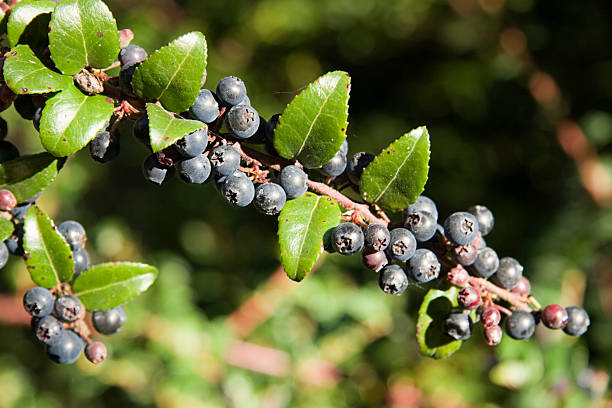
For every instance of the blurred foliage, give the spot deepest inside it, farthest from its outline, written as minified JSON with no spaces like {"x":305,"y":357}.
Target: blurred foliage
{"x":464,"y":68}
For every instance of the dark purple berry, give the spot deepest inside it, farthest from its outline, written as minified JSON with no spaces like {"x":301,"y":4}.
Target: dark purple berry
{"x":74,"y":233}
{"x":38,"y":302}
{"x":577,"y":321}
{"x":67,"y":349}
{"x":458,"y":325}
{"x":205,"y":108}
{"x":155,"y":172}
{"x":109,"y":321}
{"x":356,"y":164}
{"x":335,"y":166}
{"x":486,"y":263}
{"x":393,"y":280}
{"x":485,"y":218}
{"x":423,"y":203}
{"x":270,"y":198}
{"x":402,"y":244}
{"x":104,"y":147}
{"x":424,"y":265}
{"x":347,"y":238}
{"x":68,"y":308}
{"x":520,"y":325}
{"x":554,"y":317}
{"x":293,"y":180}
{"x":195,"y":170}
{"x":377,"y":237}
{"x":132,"y":55}
{"x":374,"y":260}
{"x":81,"y":261}
{"x":225,"y":160}
{"x":469,"y":298}
{"x":238,"y":190}
{"x":461,"y":228}
{"x":242,"y":121}
{"x":231,"y":90}
{"x":523,"y":287}
{"x":508,"y":274}
{"x":422,"y":224}
{"x":48,"y":329}
{"x":193,"y":144}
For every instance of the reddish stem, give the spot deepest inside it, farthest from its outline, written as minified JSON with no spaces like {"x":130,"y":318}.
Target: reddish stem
{"x":517,"y":301}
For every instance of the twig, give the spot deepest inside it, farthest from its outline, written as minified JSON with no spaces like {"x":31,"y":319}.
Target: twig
{"x":515,"y":300}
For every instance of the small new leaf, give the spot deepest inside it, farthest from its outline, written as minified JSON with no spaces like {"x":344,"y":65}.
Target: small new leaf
{"x":301,"y":226}
{"x":82,"y":33}
{"x":47,"y":255}
{"x":111,"y":284}
{"x":24,"y":73}
{"x":313,"y":126}
{"x":23,"y":14}
{"x":431,"y":334}
{"x":27,"y":176}
{"x":173,"y":74}
{"x":71,"y":119}
{"x":397,"y":176}
{"x":165,"y":129}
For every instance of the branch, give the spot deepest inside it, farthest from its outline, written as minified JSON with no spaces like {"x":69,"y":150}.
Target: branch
{"x":515,"y":300}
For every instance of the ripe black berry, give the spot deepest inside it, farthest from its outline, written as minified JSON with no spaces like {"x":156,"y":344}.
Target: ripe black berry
{"x":293,"y":180}
{"x":195,"y":170}
{"x":270,"y":198}
{"x":461,"y":228}
{"x":67,"y":349}
{"x":458,"y":325}
{"x":242,"y":121}
{"x":193,"y":144}
{"x":422,"y":224}
{"x":109,"y":321}
{"x":105,"y":146}
{"x":520,"y":325}
{"x":356,"y":164}
{"x":393,"y":280}
{"x":74,"y":233}
{"x":81,"y":261}
{"x":423,"y":203}
{"x":68,"y":308}
{"x":38,"y":302}
{"x":347,"y":238}
{"x":486,"y":263}
{"x":205,"y":108}
{"x":377,"y":237}
{"x":238,"y":190}
{"x":402,"y":244}
{"x":424,"y":265}
{"x":155,"y":172}
{"x":554,"y":317}
{"x":225,"y":160}
{"x":132,"y":55}
{"x":509,"y":272}
{"x":335,"y":166}
{"x":577,"y":321}
{"x":231,"y":90}
{"x":48,"y":329}
{"x":485,"y":218}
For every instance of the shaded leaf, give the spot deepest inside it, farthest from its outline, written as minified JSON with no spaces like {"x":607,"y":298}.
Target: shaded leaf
{"x":164,"y":129}
{"x":301,"y":226}
{"x":47,"y":255}
{"x":111,"y":284}
{"x":173,"y":74}
{"x":23,"y":14}
{"x":27,"y":176}
{"x":431,"y":335}
{"x":397,"y":176}
{"x":82,"y":33}
{"x":71,"y":119}
{"x":313,"y":126}
{"x":25,"y":73}
{"x":6,"y":228}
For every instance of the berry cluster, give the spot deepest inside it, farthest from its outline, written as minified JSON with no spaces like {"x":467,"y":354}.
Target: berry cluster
{"x":421,"y":251}
{"x":58,"y":316}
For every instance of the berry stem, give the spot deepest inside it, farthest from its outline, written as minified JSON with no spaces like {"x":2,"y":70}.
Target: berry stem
{"x":515,"y":300}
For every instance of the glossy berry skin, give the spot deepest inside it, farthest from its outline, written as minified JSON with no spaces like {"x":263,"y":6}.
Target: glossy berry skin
{"x":14,"y":243}
{"x":20,"y":211}
{"x":109,"y":321}
{"x":478,"y":242}
{"x":96,"y":352}
{"x":125,"y":78}
{"x":7,"y":200}
{"x":344,"y":147}
{"x":242,"y":121}
{"x":493,"y":335}
{"x":225,"y":160}
{"x":461,"y":228}
{"x":458,"y":276}
{"x":347,"y":238}
{"x":8,"y":151}
{"x":577,"y":321}
{"x":193,"y":144}
{"x":335,"y":166}
{"x":195,"y":170}
{"x":402,"y":244}
{"x":155,"y":172}
{"x":293,"y":180}
{"x":422,"y":224}
{"x":48,"y":329}
{"x":374,"y":260}
{"x":4,"y":255}
{"x":132,"y":55}
{"x":424,"y":265}
{"x":458,"y":326}
{"x":238,"y":190}
{"x":523,"y":287}
{"x":231,"y":91}
{"x":261,"y":132}
{"x":423,"y":203}
{"x":376,"y":237}
{"x":104,"y":147}
{"x":272,"y":124}
{"x":520,"y":325}
{"x":67,"y":349}
{"x":74,"y":233}
{"x":509,"y":272}
{"x":205,"y":108}
{"x":485,"y":218}
{"x":141,"y":131}
{"x":393,"y":280}
{"x":465,"y":254}
{"x":328,"y":246}
{"x":554,"y":317}
{"x":486,"y":263}
{"x":68,"y":308}
{"x":356,"y":164}
{"x":469,"y":298}
{"x":270,"y":198}
{"x":81,"y":261}
{"x":38,"y":301}
{"x":490,"y":317}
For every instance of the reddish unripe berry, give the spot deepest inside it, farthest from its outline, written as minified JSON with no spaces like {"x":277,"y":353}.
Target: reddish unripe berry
{"x":523,"y":287}
{"x":96,"y":352}
{"x":554,"y":317}
{"x":469,"y":298}
{"x":465,"y":254}
{"x":458,"y":276}
{"x":478,"y":242}
{"x":374,"y":260}
{"x":493,"y":335}
{"x":490,"y":317}
{"x":7,"y":200}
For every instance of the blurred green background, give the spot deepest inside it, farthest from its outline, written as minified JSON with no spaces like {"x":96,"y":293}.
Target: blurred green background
{"x":495,"y":81}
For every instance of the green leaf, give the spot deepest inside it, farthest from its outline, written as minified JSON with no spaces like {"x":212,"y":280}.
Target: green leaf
{"x":431,"y":335}
{"x":47,"y":255}
{"x":173,"y":74}
{"x":24,"y":73}
{"x":313,"y":126}
{"x":27,"y":176}
{"x":111,"y":284}
{"x":71,"y":119}
{"x":82,"y":33}
{"x":23,"y":14}
{"x":6,"y":228}
{"x":164,"y":129}
{"x":397,"y":176}
{"x":301,"y":225}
